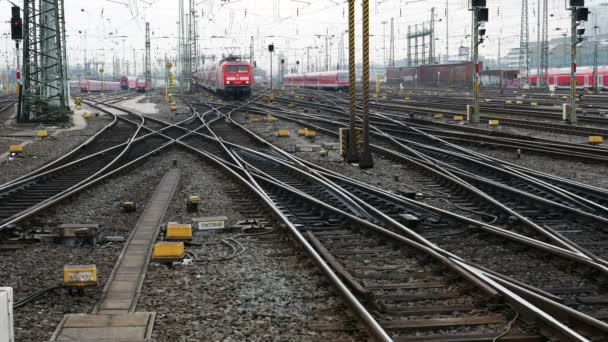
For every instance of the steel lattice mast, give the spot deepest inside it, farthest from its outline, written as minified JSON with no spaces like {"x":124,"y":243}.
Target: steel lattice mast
{"x":544,"y":59}
{"x":524,"y":39}
{"x":543,"y":44}
{"x":193,"y":39}
{"x":148,"y":61}
{"x":45,"y":88}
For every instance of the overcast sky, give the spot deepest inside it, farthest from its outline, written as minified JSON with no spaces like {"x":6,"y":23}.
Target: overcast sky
{"x":294,"y":23}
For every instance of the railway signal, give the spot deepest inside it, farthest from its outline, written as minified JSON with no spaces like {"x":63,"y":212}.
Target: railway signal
{"x":271,"y":50}
{"x":16,"y":24}
{"x":480,"y":14}
{"x":579,"y":13}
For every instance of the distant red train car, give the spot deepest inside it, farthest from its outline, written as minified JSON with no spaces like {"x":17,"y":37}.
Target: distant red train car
{"x":560,"y":77}
{"x":457,"y":75}
{"x":141,"y":85}
{"x":230,"y":78}
{"x":128,"y":82}
{"x":337,"y":80}
{"x":93,"y":86}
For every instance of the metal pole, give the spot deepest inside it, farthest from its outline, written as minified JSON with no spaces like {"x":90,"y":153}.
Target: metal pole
{"x":271,"y":80}
{"x":595,"y":73}
{"x":351,"y":153}
{"x":447,"y":33}
{"x":475,"y":116}
{"x":251,"y":52}
{"x":327,"y":50}
{"x":538,"y":41}
{"x":308,"y":59}
{"x":367,"y":160}
{"x":383,"y":44}
{"x":572,"y":118}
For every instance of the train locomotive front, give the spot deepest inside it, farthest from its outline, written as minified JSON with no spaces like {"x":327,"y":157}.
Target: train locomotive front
{"x":229,"y":78}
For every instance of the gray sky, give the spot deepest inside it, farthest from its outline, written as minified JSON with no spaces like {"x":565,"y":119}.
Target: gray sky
{"x":294,"y":23}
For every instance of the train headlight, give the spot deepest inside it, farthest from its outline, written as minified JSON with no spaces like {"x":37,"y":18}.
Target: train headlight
{"x":227,"y":82}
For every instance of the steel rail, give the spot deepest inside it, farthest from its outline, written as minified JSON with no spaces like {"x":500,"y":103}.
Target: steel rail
{"x":434,"y":169}
{"x":65,"y":156}
{"x":90,"y":179}
{"x":566,"y":331}
{"x":547,"y":247}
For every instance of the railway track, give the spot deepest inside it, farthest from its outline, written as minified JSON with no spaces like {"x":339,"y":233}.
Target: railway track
{"x":531,"y":116}
{"x":116,"y":147}
{"x":401,"y":287}
{"x":528,"y":203}
{"x":281,"y":184}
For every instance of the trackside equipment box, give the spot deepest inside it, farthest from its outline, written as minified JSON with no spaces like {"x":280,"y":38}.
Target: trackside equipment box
{"x":79,"y":275}
{"x":7,"y":333}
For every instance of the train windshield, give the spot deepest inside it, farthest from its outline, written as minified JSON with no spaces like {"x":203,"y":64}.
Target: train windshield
{"x":241,"y":69}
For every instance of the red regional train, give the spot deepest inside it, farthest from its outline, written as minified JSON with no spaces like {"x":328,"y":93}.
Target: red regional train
{"x":337,"y":80}
{"x":560,"y":77}
{"x":229,"y":78}
{"x":91,"y":85}
{"x":141,"y":85}
{"x":129,"y":82}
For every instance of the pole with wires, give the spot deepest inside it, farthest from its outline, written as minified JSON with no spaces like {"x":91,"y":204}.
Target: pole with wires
{"x":352,"y":153}
{"x":367,"y":160}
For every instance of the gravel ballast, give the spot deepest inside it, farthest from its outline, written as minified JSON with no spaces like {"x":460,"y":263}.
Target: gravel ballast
{"x":40,"y":266}
{"x":268,"y":292}
{"x":39,"y":153}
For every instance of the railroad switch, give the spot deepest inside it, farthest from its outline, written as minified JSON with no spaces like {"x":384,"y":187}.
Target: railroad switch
{"x":438,"y":116}
{"x":255,"y":119}
{"x":192,"y":204}
{"x":291,"y":105}
{"x":79,"y":277}
{"x":302,"y":132}
{"x":87,"y":115}
{"x":173,"y":106}
{"x":534,"y":104}
{"x":16,"y":150}
{"x":595,"y":140}
{"x":78,"y":234}
{"x":178,"y":231}
{"x":283,"y":133}
{"x":168,"y":251}
{"x":42,"y":134}
{"x":458,"y":118}
{"x":129,"y":207}
{"x":519,"y":102}
{"x":493,"y":122}
{"x":408,"y":194}
{"x":409,"y":220}
{"x":270,"y":118}
{"x":509,"y":101}
{"x":323,"y":153}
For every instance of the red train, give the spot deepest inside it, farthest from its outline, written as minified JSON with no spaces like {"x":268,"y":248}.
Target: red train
{"x":93,"y":86}
{"x":560,"y":77}
{"x":132,"y":83}
{"x":337,"y":80}
{"x":230,"y":78}
{"x":141,"y":85}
